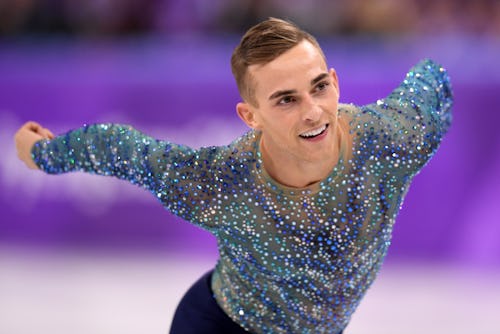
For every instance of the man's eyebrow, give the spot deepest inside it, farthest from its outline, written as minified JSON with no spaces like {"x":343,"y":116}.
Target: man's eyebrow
{"x":281,"y":93}
{"x":318,"y":78}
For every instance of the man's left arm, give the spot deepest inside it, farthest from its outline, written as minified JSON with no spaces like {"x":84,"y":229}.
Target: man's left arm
{"x":416,"y":115}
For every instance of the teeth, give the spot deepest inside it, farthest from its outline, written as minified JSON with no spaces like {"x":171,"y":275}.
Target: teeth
{"x":314,"y":132}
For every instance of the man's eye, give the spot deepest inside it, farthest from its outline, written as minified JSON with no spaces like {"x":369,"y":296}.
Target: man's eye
{"x":322,"y":86}
{"x":286,"y":100}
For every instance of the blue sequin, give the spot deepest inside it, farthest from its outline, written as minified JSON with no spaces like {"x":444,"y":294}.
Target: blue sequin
{"x":291,"y":260}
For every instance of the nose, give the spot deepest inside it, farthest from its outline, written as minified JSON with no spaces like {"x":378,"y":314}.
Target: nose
{"x":311,"y":110}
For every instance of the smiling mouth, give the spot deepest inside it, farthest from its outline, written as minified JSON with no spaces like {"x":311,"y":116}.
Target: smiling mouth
{"x":314,"y":133}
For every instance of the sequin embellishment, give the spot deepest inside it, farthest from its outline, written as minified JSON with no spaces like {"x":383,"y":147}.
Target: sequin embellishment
{"x":291,"y":260}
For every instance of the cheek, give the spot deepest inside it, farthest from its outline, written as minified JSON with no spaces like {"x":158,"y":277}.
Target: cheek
{"x":334,"y":104}
{"x":282,"y":127}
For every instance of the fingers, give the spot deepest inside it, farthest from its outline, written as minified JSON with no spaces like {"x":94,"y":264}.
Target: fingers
{"x":24,"y":139}
{"x":32,"y":126}
{"x":46,"y":133}
{"x":38,"y":129}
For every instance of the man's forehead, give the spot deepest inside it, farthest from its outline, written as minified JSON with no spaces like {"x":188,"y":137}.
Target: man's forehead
{"x":303,"y":53}
{"x":285,"y":77}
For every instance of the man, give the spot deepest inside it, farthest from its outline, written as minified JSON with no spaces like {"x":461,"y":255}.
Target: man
{"x":302,"y":205}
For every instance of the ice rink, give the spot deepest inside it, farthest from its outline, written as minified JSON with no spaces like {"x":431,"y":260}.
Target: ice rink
{"x":80,"y":293}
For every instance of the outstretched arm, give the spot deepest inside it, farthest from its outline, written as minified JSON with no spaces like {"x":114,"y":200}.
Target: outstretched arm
{"x":27,"y":135}
{"x":179,"y":176}
{"x":410,"y":123}
{"x":105,"y":149}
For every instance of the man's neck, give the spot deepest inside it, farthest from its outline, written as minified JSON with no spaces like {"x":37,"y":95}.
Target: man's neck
{"x":302,"y":173}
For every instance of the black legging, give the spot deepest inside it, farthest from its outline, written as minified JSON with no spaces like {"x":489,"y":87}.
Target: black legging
{"x":199,"y":313}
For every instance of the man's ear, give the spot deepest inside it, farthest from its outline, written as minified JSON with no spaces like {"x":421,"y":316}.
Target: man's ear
{"x":247,"y":114}
{"x":335,"y":80}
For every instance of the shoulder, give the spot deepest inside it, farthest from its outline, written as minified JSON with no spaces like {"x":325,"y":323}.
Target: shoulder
{"x":349,"y":111}
{"x":246,"y":143}
{"x":353,"y":114}
{"x":242,"y":148}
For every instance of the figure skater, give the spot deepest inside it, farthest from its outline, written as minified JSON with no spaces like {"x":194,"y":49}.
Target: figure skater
{"x":302,"y":205}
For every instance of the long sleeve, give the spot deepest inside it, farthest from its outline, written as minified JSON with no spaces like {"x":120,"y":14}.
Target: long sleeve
{"x":180,"y":177}
{"x":406,"y":128}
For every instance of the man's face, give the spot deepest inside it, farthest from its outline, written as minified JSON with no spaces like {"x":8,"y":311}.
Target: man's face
{"x":297,"y":105}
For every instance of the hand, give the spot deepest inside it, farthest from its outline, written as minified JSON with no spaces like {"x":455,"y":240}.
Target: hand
{"x":26,"y":137}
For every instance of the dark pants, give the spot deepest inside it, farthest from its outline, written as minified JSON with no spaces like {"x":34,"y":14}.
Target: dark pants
{"x":199,"y":313}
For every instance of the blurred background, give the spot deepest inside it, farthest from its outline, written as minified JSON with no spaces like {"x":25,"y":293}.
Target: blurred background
{"x":87,"y":254}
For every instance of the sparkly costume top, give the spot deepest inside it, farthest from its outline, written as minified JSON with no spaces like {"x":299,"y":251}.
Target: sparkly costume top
{"x":291,"y":260}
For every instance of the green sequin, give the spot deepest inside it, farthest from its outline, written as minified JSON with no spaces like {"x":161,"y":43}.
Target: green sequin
{"x":291,"y":260}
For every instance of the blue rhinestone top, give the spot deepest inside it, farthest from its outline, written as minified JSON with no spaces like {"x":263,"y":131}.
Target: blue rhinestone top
{"x":291,"y":260}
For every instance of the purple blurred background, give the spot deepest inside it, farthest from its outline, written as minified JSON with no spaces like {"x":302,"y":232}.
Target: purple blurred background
{"x":164,"y":68}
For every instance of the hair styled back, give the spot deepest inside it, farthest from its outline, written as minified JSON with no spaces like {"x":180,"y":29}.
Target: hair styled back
{"x":262,"y":44}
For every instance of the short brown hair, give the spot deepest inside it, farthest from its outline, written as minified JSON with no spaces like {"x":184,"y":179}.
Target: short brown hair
{"x":262,"y":44}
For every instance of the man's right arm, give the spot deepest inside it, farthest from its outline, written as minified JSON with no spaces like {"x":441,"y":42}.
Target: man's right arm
{"x":179,"y":176}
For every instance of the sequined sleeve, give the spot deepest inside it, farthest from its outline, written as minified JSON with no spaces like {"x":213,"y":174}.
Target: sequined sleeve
{"x":179,"y":176}
{"x":411,"y":122}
